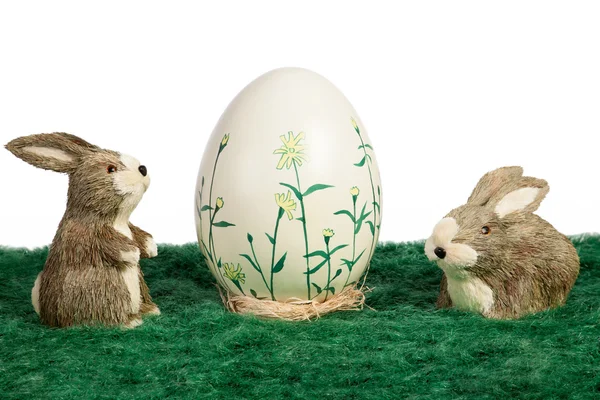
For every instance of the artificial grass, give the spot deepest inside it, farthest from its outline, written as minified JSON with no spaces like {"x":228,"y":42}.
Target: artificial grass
{"x":404,"y":349}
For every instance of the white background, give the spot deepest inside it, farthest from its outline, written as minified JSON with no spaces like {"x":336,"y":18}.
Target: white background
{"x":447,"y":91}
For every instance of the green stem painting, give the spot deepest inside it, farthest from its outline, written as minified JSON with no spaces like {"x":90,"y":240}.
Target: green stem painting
{"x":303,"y":220}
{"x":357,"y":223}
{"x":285,"y":206}
{"x":210,"y":251}
{"x":292,"y":155}
{"x":366,"y":161}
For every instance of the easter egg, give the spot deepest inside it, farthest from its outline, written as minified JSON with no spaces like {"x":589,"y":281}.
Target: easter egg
{"x":288,"y":196}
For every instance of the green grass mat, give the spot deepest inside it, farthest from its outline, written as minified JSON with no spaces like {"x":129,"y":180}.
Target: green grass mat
{"x":404,"y":349}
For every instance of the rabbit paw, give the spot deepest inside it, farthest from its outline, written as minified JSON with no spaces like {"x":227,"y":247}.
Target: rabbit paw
{"x":151,"y":247}
{"x":151,"y":309}
{"x":134,"y":322}
{"x":131,"y":257}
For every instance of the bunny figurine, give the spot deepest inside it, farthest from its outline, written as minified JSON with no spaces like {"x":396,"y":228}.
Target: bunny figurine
{"x":92,"y":274}
{"x":499,"y":259}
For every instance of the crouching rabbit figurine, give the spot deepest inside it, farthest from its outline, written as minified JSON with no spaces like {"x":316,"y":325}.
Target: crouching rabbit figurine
{"x":499,"y":259}
{"x":92,"y":274}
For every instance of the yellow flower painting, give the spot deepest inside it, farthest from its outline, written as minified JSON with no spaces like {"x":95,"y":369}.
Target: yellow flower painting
{"x":328,"y":232}
{"x":291,"y":151}
{"x":225,"y":140}
{"x":355,"y":125}
{"x":286,"y":203}
{"x":234,"y":273}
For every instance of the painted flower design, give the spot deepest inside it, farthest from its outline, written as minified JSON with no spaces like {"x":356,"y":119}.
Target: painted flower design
{"x":328,"y":232}
{"x":327,"y":235}
{"x":291,"y":151}
{"x":208,"y":244}
{"x":224,"y":141}
{"x":354,"y":191}
{"x":233,"y":273}
{"x":286,"y":203}
{"x":355,"y":125}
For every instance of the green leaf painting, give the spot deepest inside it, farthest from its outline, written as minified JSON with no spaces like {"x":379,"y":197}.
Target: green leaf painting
{"x":361,"y":162}
{"x":251,"y":261}
{"x":318,"y":253}
{"x":318,"y":267}
{"x":270,"y":238}
{"x":314,"y":188}
{"x":223,"y":224}
{"x":345,"y":212}
{"x":296,"y":191}
{"x":318,"y":288}
{"x":279,"y":266}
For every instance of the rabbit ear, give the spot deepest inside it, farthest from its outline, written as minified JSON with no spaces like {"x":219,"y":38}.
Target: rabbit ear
{"x":58,"y":152}
{"x":491,"y":183}
{"x":524,"y":195}
{"x":78,"y":141}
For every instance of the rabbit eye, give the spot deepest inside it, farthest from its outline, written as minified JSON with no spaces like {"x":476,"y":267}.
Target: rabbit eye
{"x":486,"y":230}
{"x":111,"y":168}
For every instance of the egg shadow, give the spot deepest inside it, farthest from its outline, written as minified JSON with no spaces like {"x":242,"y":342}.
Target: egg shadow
{"x":401,"y":276}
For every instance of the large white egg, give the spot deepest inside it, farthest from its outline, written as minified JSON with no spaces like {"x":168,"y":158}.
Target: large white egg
{"x":288,"y":197}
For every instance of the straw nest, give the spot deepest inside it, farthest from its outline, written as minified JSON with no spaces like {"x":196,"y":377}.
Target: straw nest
{"x":351,"y":298}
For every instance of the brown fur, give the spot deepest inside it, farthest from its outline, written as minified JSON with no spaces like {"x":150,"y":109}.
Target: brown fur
{"x":140,"y":237}
{"x":82,"y":281}
{"x":529,"y":265}
{"x":443,"y":300}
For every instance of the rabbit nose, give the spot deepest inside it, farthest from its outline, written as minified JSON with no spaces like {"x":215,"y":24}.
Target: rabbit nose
{"x":143,"y":170}
{"x":441,"y":253}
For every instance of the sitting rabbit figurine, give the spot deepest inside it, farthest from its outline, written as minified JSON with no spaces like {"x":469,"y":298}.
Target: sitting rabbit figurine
{"x":92,"y":273}
{"x":499,"y":259}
